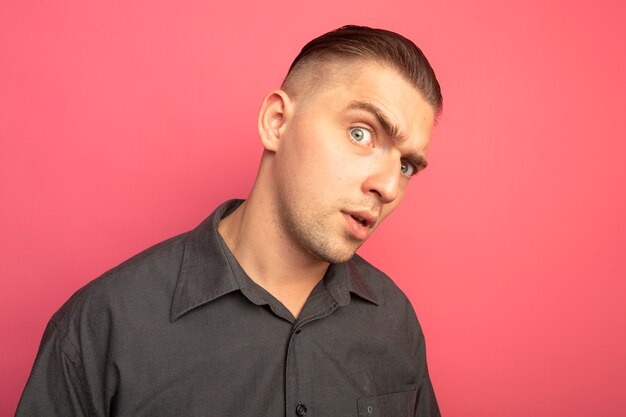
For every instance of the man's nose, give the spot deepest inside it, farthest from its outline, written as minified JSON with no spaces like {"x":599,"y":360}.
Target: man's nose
{"x":384,"y":180}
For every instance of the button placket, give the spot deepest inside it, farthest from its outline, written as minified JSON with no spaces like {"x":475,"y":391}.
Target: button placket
{"x":298,"y":376}
{"x":299,"y":388}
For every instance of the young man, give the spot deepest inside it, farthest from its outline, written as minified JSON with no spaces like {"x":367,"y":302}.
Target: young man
{"x":264,"y":309}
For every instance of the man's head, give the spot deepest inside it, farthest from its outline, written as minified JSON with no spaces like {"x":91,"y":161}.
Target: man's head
{"x":349,"y":128}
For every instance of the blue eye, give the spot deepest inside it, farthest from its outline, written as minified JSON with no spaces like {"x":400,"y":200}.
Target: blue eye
{"x":361,"y":135}
{"x":407,"y":168}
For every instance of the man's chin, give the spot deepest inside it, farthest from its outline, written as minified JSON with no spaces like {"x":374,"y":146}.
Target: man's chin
{"x":338,"y":255}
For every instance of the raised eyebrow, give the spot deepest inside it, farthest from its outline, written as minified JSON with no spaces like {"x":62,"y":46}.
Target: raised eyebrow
{"x":390,"y":129}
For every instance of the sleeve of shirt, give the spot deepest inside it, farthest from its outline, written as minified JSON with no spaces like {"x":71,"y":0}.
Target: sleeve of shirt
{"x":426,"y":402}
{"x":57,"y":384}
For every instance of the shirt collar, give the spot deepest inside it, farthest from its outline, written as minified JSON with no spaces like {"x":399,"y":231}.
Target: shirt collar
{"x":206,"y":273}
{"x":344,"y":279}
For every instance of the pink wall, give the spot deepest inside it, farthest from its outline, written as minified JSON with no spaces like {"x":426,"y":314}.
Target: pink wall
{"x":123,"y":123}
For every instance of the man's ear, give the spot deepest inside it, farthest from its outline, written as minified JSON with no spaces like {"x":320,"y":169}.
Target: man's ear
{"x":274,"y":115}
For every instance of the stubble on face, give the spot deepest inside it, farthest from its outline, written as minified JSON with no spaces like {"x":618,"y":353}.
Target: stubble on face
{"x":311,"y":231}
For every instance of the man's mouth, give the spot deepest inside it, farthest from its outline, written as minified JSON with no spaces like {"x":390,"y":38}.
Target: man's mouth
{"x":364,"y":218}
{"x":360,"y":220}
{"x":360,"y":224}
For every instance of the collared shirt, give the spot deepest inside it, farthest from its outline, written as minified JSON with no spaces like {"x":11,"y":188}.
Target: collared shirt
{"x":181,"y":330}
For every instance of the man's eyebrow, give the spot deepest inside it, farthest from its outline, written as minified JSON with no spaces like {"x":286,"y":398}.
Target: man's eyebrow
{"x":390,"y":129}
{"x":419,"y":161}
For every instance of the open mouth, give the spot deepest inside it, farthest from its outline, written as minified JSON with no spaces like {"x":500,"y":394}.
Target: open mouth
{"x":363,"y":222}
{"x":360,"y":224}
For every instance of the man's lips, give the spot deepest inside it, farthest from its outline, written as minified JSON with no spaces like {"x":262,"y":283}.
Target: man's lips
{"x":359,"y":223}
{"x":363,"y":217}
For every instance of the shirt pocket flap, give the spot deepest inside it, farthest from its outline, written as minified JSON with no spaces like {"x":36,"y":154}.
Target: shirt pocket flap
{"x":397,"y":404}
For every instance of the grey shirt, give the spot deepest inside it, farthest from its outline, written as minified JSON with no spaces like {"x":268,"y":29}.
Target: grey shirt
{"x":181,"y":330}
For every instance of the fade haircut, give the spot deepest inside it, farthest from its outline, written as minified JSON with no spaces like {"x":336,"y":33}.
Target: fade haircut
{"x":383,"y":46}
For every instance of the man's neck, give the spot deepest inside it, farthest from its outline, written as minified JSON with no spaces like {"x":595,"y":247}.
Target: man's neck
{"x":268,"y":257}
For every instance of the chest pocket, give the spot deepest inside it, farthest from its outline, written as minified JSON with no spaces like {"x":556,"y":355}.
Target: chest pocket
{"x":398,"y":404}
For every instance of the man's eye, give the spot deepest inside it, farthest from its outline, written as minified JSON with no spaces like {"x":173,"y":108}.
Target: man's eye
{"x":407,"y":168}
{"x":361,"y":135}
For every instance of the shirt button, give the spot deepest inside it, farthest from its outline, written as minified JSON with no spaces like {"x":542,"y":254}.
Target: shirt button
{"x":298,"y":330}
{"x":300,"y":410}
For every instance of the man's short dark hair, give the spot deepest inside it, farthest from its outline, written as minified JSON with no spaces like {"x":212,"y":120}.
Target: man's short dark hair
{"x":380,"y":45}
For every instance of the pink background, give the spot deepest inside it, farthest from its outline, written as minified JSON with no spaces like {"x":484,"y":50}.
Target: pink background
{"x":124,"y":123}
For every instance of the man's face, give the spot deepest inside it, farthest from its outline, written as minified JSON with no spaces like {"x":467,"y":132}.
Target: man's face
{"x":346,"y":156}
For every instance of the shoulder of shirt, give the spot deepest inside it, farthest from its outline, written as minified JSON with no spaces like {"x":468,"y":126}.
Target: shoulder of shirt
{"x":164,"y":258}
{"x":384,"y":288}
{"x":390,"y":297}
